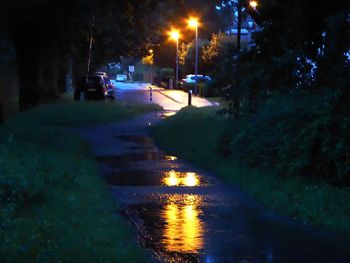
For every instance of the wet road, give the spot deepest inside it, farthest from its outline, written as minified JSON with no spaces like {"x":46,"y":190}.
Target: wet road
{"x":168,"y":99}
{"x":183,"y":214}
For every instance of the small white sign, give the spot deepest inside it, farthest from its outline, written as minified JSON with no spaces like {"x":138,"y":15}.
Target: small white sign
{"x":131,"y":68}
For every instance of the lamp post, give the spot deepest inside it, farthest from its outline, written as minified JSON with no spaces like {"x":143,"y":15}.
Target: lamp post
{"x":193,"y":22}
{"x":236,"y":97}
{"x":174,"y":34}
{"x":151,"y":54}
{"x":253,"y":4}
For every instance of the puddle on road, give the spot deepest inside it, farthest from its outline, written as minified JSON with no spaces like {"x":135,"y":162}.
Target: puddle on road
{"x":175,"y":228}
{"x":132,"y":178}
{"x":186,"y":228}
{"x":139,"y":177}
{"x":118,"y":161}
{"x":186,"y":224}
{"x":173,"y":178}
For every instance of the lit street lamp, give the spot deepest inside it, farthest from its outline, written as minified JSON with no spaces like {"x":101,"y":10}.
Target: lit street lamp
{"x":253,"y":4}
{"x":151,"y":53}
{"x":193,"y":22}
{"x":175,"y":35}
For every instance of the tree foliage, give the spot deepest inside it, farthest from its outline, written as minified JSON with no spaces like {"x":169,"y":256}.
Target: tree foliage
{"x":50,"y":34}
{"x":293,"y":90}
{"x":211,"y":52}
{"x":148,"y":59}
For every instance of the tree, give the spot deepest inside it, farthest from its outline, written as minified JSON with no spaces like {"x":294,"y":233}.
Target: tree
{"x":212,"y":52}
{"x":47,"y":34}
{"x":148,"y":59}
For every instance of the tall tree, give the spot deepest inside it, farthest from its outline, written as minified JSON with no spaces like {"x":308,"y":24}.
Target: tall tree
{"x":47,"y":34}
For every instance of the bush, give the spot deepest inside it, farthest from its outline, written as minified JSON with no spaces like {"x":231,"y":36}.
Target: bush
{"x":296,"y":135}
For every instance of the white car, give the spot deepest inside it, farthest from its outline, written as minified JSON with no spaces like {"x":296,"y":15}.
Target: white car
{"x":121,"y":78}
{"x":191,"y":79}
{"x":102,"y":74}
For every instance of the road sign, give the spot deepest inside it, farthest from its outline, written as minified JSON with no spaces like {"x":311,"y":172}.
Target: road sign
{"x":131,"y":68}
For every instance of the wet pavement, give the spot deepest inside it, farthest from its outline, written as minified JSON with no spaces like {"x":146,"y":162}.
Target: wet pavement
{"x":183,"y":214}
{"x":170,"y":100}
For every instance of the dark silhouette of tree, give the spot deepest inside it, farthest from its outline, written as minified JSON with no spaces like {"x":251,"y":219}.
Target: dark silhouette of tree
{"x":48,"y":34}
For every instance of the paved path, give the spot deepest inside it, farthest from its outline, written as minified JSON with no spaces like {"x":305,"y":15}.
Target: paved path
{"x":168,"y":99}
{"x":183,"y":214}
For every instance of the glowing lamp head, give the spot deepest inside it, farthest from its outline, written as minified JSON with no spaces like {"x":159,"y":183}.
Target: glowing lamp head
{"x":253,"y":4}
{"x":174,"y":34}
{"x":193,"y":22}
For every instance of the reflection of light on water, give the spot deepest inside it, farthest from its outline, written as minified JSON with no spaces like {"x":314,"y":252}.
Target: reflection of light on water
{"x":191,"y":179}
{"x":170,"y":158}
{"x":168,"y":114}
{"x":173,"y":178}
{"x":183,"y":231}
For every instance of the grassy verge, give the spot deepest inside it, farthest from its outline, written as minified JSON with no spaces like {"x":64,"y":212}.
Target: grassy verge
{"x":53,"y":206}
{"x":198,"y":135}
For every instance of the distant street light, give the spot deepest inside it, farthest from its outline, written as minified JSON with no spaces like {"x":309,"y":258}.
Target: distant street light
{"x":253,"y":4}
{"x":175,"y":35}
{"x":193,"y":22}
{"x":151,"y":53}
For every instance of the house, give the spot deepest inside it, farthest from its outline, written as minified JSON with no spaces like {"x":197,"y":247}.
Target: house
{"x":249,"y":26}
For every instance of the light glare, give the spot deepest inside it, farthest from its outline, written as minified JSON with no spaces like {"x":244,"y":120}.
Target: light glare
{"x":253,"y":4}
{"x":193,"y":22}
{"x":174,"y":34}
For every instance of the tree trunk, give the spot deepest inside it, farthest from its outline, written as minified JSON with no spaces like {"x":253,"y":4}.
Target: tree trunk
{"x":236,"y":107}
{"x":27,"y":65}
{"x":69,"y":77}
{"x":79,"y":72}
{"x":48,"y":73}
{"x":1,"y":103}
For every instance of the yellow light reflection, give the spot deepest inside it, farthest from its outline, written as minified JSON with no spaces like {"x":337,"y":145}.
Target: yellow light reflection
{"x":170,"y":158}
{"x":169,"y":113}
{"x":173,"y":178}
{"x":183,"y":231}
{"x":191,"y":179}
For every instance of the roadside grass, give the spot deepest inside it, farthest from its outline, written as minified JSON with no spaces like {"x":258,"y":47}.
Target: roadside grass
{"x":53,"y":205}
{"x":200,"y":136}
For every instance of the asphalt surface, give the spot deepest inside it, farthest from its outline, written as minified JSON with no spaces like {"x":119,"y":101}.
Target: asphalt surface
{"x":168,"y":99}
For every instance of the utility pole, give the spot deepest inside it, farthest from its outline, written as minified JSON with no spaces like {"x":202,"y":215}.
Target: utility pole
{"x":196,"y":64}
{"x":239,"y":26}
{"x":90,"y":47}
{"x":235,"y":94}
{"x":177,"y":63}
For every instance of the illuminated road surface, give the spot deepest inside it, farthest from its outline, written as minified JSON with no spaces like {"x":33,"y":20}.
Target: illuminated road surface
{"x":168,"y":99}
{"x":183,"y":214}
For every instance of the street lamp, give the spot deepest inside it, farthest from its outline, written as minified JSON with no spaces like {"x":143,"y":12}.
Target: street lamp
{"x":253,"y":4}
{"x":151,"y":53}
{"x":175,"y":35}
{"x":193,"y":23}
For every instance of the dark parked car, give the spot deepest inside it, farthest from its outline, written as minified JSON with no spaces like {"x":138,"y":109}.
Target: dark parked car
{"x":95,"y":88}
